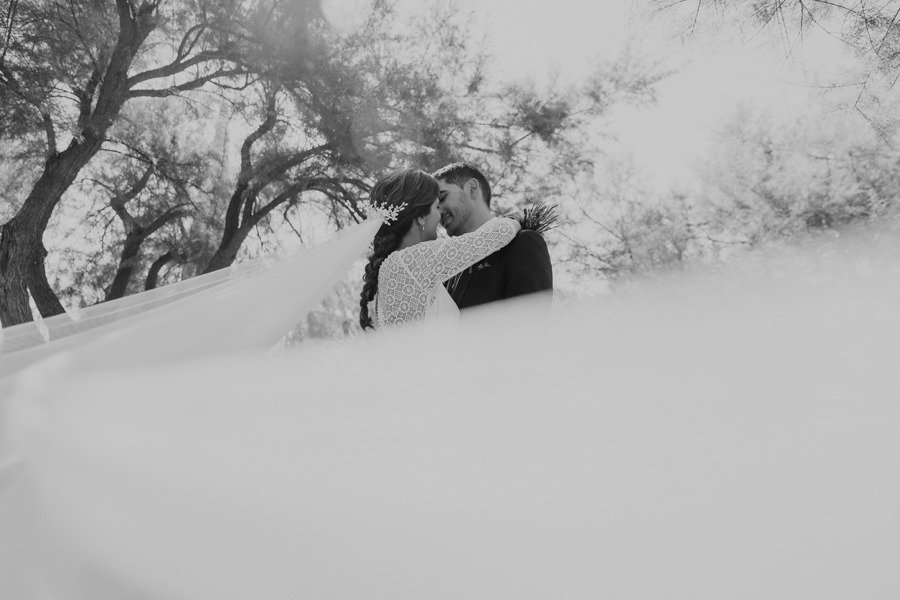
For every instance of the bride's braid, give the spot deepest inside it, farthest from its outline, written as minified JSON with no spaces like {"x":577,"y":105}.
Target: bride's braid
{"x":413,"y":192}
{"x":382,"y":247}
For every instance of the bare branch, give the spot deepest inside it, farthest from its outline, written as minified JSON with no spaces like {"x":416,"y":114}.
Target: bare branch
{"x":190,"y":85}
{"x":156,"y":267}
{"x":283,"y":165}
{"x":86,"y":97}
{"x":9,"y":80}
{"x":47,"y":122}
{"x":290,"y":192}
{"x":185,"y":47}
{"x":248,"y":83}
{"x":134,"y":26}
{"x":169,"y":215}
{"x":696,"y":15}
{"x":9,"y":28}
{"x":118,"y":202}
{"x":126,"y":14}
{"x":265,"y":127}
{"x":175,"y":67}
{"x":843,"y":7}
{"x":77,"y":27}
{"x":287,"y":220}
{"x":887,"y":30}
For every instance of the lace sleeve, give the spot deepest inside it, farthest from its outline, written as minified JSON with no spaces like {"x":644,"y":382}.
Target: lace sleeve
{"x":438,"y":260}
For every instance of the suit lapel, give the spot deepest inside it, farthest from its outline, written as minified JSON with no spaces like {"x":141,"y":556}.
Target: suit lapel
{"x":459,"y":289}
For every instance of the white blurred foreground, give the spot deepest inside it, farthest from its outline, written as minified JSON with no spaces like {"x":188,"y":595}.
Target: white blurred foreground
{"x":731,"y":436}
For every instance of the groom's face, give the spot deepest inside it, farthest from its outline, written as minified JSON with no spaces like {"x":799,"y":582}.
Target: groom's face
{"x":455,"y":207}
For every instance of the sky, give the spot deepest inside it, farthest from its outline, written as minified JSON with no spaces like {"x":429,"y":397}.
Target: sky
{"x":716,"y":69}
{"x":715,"y":72}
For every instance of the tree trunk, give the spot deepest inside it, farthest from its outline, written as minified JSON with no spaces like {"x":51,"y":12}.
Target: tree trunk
{"x":156,"y":267}
{"x":45,"y":298}
{"x":226,"y":253}
{"x":235,"y":232}
{"x":127,"y":262}
{"x":232,"y":224}
{"x":21,"y":237}
{"x":14,"y":307}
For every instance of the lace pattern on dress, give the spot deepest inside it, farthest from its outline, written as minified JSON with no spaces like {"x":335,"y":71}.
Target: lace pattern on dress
{"x":408,"y":278}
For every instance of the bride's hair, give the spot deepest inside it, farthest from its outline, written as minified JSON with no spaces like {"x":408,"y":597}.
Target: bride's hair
{"x":413,"y":190}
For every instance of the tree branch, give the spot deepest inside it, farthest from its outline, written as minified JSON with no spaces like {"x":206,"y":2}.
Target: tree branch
{"x":77,"y":27}
{"x":169,"y":215}
{"x":291,"y":191}
{"x":15,"y":86}
{"x":134,"y":26}
{"x":86,"y":96}
{"x":156,"y":267}
{"x":249,"y":201}
{"x":843,"y":7}
{"x":185,"y":48}
{"x":887,"y":30}
{"x":287,"y":220}
{"x":9,"y":28}
{"x":118,"y":202}
{"x":265,"y":127}
{"x":47,"y":123}
{"x":175,"y":67}
{"x":283,"y":165}
{"x":183,"y":87}
{"x":126,"y":13}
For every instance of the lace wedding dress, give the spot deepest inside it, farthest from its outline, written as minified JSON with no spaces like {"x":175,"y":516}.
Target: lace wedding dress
{"x":410,"y":282}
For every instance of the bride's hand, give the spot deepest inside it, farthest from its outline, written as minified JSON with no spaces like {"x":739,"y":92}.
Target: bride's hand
{"x":517,"y":215}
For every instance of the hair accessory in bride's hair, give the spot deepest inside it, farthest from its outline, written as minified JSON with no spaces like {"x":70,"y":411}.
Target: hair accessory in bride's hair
{"x":388,"y":214}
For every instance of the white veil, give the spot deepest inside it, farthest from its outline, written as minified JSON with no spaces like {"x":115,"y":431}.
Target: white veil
{"x":703,"y":437}
{"x":249,"y":305}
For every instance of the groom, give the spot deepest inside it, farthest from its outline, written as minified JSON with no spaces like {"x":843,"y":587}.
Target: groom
{"x":522,"y":267}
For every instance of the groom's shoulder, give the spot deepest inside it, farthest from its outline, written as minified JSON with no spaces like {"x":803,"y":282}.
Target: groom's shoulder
{"x":528,"y":242}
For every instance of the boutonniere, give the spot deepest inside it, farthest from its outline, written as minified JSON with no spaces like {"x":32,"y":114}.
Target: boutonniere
{"x":481,"y":266}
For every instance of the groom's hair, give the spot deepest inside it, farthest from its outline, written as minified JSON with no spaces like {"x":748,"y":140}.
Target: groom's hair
{"x":461,"y":172}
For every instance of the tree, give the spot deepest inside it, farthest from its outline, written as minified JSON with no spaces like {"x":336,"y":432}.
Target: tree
{"x":376,"y":100}
{"x":68,"y":69}
{"x":620,"y":227}
{"x":304,"y":116}
{"x":768,"y":179}
{"x":869,"y":30}
{"x":357,"y":104}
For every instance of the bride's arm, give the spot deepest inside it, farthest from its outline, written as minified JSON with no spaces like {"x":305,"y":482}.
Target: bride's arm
{"x":438,"y":260}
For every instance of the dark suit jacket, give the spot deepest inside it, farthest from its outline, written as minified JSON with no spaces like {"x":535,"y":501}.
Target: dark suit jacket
{"x":520,"y":267}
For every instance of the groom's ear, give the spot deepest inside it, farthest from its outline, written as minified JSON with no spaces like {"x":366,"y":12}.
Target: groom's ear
{"x":472,"y":188}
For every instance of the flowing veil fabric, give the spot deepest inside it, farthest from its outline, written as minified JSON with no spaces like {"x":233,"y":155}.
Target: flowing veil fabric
{"x":250,"y":305}
{"x":730,"y":436}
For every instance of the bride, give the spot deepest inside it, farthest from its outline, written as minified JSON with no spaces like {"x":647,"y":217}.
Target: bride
{"x":409,"y":263}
